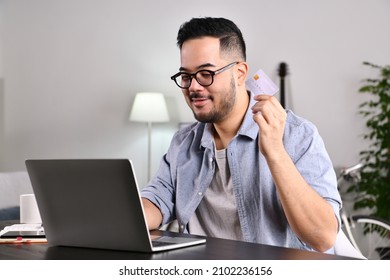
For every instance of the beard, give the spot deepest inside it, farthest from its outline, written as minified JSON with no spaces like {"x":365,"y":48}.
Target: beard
{"x":218,"y":113}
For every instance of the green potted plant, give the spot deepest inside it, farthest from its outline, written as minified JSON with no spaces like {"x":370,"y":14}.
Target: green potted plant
{"x":374,"y":185}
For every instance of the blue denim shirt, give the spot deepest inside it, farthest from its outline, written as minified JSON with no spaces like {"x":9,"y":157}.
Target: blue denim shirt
{"x":187,"y":169}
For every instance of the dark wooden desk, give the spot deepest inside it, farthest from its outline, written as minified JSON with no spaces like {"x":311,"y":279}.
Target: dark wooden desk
{"x":214,"y":249}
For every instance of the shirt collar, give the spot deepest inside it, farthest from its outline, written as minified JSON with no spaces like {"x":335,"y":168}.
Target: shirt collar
{"x":248,"y":128}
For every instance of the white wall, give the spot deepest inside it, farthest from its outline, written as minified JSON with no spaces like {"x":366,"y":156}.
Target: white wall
{"x":71,"y":69}
{"x":2,"y":115}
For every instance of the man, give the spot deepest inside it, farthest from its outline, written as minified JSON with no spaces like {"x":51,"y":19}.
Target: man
{"x":247,"y":170}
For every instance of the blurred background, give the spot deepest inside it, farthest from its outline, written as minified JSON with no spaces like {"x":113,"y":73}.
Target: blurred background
{"x":69,"y":71}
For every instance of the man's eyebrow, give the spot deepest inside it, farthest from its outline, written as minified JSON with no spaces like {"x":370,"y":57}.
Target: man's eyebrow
{"x":199,"y":67}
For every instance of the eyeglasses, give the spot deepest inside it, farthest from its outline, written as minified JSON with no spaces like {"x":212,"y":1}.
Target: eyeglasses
{"x":204,"y":77}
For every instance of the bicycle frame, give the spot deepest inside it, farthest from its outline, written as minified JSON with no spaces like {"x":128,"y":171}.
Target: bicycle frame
{"x":372,"y":245}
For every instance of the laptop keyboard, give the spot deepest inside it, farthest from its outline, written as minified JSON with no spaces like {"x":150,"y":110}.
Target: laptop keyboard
{"x":167,"y":240}
{"x":160,"y":243}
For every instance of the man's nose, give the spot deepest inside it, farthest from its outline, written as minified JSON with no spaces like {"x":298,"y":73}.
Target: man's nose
{"x":194,"y":85}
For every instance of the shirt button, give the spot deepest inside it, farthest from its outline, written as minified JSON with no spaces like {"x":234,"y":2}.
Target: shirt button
{"x":200,"y":193}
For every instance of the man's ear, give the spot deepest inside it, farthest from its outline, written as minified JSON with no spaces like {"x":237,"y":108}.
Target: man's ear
{"x":242,"y":72}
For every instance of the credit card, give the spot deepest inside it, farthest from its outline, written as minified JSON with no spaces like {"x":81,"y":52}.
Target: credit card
{"x":260,"y":83}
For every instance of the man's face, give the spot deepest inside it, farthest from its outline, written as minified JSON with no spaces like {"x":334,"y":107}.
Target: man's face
{"x":212,"y":103}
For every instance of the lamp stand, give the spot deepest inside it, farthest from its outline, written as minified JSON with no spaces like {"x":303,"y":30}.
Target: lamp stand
{"x":149,"y":148}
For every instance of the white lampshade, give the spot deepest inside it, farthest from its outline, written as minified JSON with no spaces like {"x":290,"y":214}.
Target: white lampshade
{"x":149,"y":107}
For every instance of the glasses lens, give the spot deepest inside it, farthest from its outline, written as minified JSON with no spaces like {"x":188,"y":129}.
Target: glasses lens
{"x":184,"y":80}
{"x":204,"y":77}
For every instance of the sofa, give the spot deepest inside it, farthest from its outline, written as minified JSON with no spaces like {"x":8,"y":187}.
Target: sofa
{"x":12,"y":185}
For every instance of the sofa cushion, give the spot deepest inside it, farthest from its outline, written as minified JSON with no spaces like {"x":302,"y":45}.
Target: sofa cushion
{"x":10,"y":213}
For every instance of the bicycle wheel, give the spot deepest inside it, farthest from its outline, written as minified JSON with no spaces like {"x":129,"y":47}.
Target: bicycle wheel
{"x":372,"y":236}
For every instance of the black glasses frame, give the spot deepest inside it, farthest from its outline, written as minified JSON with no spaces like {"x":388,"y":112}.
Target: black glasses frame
{"x":193,"y":75}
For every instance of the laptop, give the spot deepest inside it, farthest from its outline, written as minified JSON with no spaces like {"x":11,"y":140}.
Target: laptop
{"x":95,"y":203}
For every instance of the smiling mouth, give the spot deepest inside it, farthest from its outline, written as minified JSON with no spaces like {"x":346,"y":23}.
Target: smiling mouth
{"x":198,"y":100}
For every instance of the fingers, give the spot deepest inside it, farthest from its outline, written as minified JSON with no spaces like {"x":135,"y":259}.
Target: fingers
{"x":270,"y":117}
{"x":266,"y":98}
{"x":259,"y":119}
{"x":269,"y":108}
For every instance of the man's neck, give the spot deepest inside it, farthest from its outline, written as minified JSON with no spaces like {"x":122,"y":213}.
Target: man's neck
{"x":227,"y":129}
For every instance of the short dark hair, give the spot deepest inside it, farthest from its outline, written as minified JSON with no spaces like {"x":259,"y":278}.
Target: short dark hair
{"x":230,"y":36}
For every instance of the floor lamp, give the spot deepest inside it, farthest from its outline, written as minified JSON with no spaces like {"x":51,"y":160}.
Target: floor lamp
{"x":149,"y":107}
